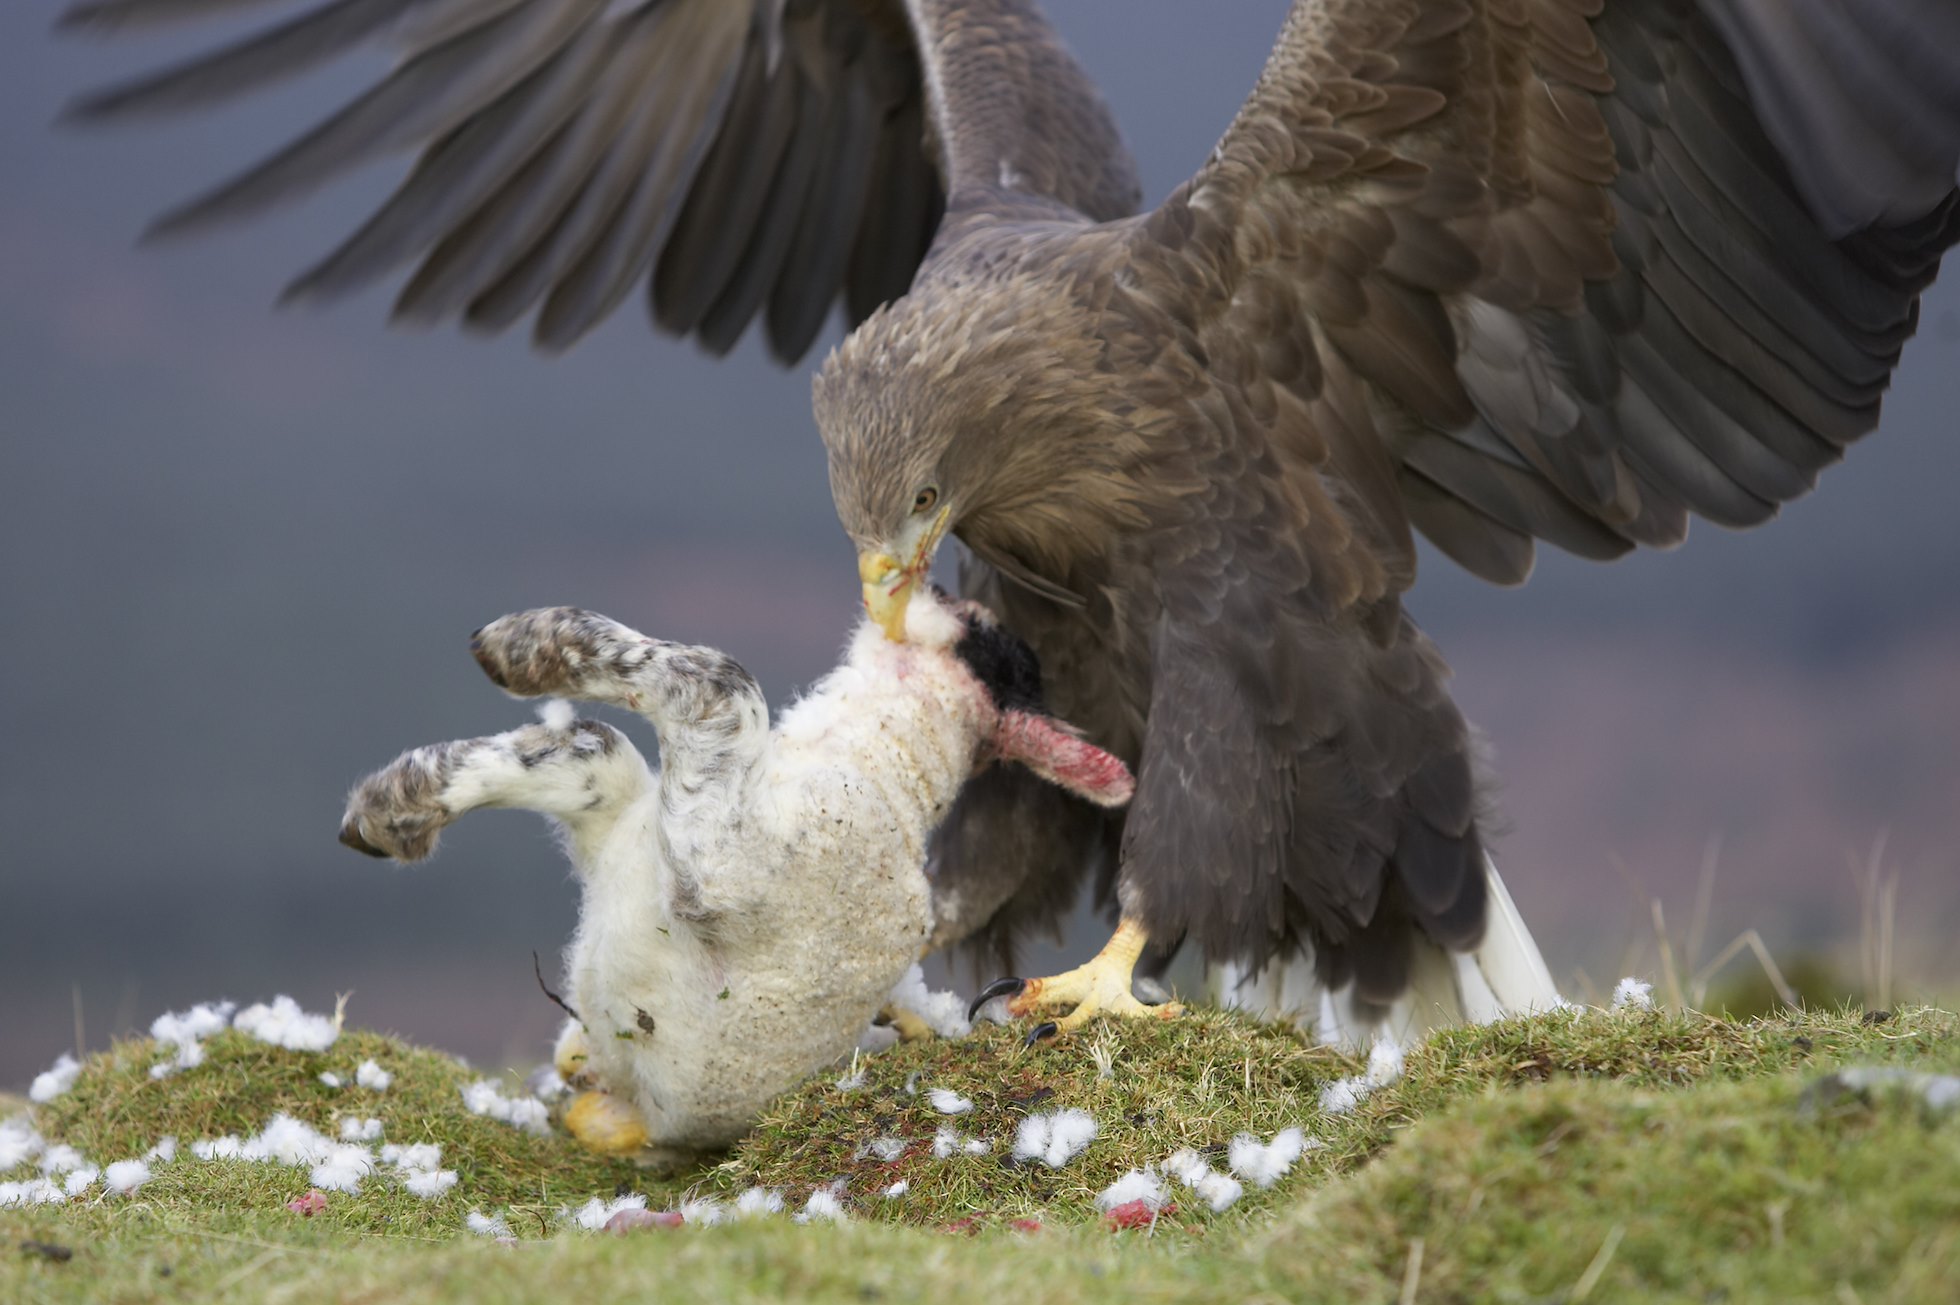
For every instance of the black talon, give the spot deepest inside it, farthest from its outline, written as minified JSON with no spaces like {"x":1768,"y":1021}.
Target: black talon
{"x":350,"y":834}
{"x":1041,"y":1032}
{"x":998,"y":988}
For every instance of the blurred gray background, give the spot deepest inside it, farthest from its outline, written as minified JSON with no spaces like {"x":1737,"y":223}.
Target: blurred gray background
{"x":241,"y":551}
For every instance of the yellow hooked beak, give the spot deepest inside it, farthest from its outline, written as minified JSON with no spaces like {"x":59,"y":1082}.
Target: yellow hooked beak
{"x":889,"y":584}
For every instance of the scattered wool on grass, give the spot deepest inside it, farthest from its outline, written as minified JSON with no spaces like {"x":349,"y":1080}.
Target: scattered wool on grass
{"x":332,"y":1080}
{"x":78,"y":1180}
{"x":228,"y":1147}
{"x":1055,"y":1138}
{"x":360,"y":1130}
{"x":56,"y":1079}
{"x":163,"y":1152}
{"x":526,"y":1113}
{"x":1137,"y":1185}
{"x":758,"y":1201}
{"x":343,"y":1168}
{"x":376,"y":1079}
{"x":1385,"y":1061}
{"x":825,"y":1204}
{"x":943,"y":1012}
{"x":897,"y":1189}
{"x":186,"y":1030}
{"x":35,"y":1191}
{"x":284,"y":1024}
{"x":705,"y":1211}
{"x":593,"y":1214}
{"x":486,"y":1225}
{"x":125,"y":1176}
{"x":948,"y":1143}
{"x":1219,"y":1191}
{"x":429,"y":1184}
{"x":19,"y":1143}
{"x":883,"y":1149}
{"x":1631,"y":994}
{"x":1264,"y":1163}
{"x":60,"y":1159}
{"x":948,"y":1102}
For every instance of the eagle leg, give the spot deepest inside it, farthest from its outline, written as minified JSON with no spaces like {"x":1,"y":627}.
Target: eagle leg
{"x":606,"y":1124}
{"x":1099,"y":987}
{"x":911,"y":1028}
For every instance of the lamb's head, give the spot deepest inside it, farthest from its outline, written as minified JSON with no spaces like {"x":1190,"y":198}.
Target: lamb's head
{"x":1001,"y":677}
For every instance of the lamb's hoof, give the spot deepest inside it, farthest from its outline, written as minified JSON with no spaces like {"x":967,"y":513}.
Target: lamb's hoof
{"x":350,"y":836}
{"x":998,"y":988}
{"x":606,"y":1124}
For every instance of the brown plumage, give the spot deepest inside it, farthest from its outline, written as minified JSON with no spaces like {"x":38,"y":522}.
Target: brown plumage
{"x":1496,"y":271}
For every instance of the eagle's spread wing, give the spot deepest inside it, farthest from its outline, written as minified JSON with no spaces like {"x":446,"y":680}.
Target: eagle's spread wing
{"x":757,"y":157}
{"x":1544,"y":253}
{"x":760,"y":158}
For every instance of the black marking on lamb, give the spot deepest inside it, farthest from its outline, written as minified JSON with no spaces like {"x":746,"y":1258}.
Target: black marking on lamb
{"x":1004,"y":664}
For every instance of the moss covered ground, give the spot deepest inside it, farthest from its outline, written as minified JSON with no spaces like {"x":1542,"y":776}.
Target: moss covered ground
{"x":1590,"y":1155}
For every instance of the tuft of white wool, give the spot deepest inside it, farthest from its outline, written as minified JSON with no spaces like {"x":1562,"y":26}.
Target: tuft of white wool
{"x":758,"y":1201}
{"x":125,"y":1176}
{"x":706,"y":1212}
{"x":486,"y":1225}
{"x":1631,"y":994}
{"x":284,"y":1024}
{"x":331,"y":1079}
{"x":593,"y":1214}
{"x":61,"y":1159}
{"x":416,"y":1155}
{"x":948,"y":1102}
{"x":883,"y":1149}
{"x":1056,"y":1138}
{"x":1137,"y":1185}
{"x":912,"y":1083}
{"x":897,"y":1189}
{"x":1219,"y":1191}
{"x":78,"y":1180}
{"x":851,"y":1082}
{"x":1384,"y":1062}
{"x":429,"y":1184}
{"x":163,"y":1152}
{"x":19,"y":1143}
{"x":35,"y":1191}
{"x":56,"y":1079}
{"x":228,"y":1147}
{"x":343,"y":1168}
{"x":823,"y":1204}
{"x":557,"y":714}
{"x":360,"y":1130}
{"x":544,"y":1083}
{"x":288,"y":1141}
{"x":376,"y":1079}
{"x":1264,"y":1163}
{"x":1342,"y":1095}
{"x":943,"y":1012}
{"x":185,"y":1030}
{"x":527,"y":1113}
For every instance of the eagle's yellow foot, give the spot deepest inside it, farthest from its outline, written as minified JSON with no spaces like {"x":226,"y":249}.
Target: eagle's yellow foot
{"x":1101,"y":987}
{"x":604,"y":1123}
{"x":910,"y":1027}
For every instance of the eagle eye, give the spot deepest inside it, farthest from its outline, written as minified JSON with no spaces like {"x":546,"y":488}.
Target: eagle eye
{"x":925,"y":500}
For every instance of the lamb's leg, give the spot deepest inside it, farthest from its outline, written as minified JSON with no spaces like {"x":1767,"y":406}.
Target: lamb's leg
{"x":712,"y":717}
{"x":582,"y":774}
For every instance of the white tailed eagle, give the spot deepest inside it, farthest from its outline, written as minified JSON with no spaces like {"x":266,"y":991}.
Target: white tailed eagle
{"x":1494,"y":271}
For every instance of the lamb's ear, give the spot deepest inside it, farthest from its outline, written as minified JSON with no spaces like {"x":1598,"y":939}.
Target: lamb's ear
{"x":1054,"y":752}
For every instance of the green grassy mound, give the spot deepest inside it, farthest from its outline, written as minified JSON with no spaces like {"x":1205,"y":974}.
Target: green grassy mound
{"x":1556,"y":1157}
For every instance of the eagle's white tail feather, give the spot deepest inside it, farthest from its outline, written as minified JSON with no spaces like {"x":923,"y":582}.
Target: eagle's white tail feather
{"x":1505,"y":975}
